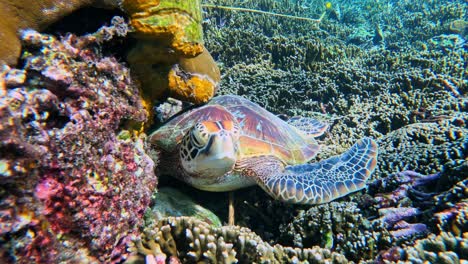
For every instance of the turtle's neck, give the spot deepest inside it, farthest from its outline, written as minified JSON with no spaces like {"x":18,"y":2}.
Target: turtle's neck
{"x":169,"y":164}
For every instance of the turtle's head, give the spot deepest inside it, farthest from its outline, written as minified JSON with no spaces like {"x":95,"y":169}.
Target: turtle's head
{"x":210,"y":148}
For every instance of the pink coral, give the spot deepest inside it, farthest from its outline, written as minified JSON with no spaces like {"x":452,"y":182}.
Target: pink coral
{"x":74,"y":179}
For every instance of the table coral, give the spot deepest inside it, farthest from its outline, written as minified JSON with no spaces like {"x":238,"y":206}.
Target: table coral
{"x":75,"y":182}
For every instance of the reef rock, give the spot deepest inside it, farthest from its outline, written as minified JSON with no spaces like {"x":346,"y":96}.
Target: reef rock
{"x":76,"y":179}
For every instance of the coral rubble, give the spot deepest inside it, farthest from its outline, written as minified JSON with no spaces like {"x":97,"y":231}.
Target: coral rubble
{"x":76,"y":179}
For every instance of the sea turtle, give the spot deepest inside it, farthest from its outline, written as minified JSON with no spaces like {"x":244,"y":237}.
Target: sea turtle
{"x":232,"y":143}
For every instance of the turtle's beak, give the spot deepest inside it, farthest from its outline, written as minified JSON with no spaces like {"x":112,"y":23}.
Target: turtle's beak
{"x":222,"y":150}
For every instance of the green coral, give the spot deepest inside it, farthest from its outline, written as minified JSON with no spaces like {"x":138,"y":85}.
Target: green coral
{"x":193,"y":30}
{"x":171,"y":202}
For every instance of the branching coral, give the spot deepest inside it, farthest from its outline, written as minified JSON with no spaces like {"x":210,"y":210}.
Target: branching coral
{"x":453,"y":219}
{"x":193,"y":241}
{"x":370,"y":90}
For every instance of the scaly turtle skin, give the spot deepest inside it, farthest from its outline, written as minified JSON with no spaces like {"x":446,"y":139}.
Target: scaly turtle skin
{"x":232,"y":143}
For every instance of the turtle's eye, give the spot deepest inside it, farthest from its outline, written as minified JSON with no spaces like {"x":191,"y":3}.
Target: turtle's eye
{"x":198,"y":136}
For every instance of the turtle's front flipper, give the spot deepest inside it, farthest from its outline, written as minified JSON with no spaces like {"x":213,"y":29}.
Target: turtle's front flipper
{"x":323,"y":181}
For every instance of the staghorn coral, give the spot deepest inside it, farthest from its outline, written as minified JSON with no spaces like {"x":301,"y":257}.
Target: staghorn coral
{"x":401,"y":201}
{"x":75,"y":182}
{"x":454,"y":183}
{"x":191,"y":240}
{"x":404,"y":189}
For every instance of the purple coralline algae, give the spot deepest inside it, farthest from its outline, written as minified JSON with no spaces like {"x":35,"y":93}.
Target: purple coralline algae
{"x":76,"y":179}
{"x":403,"y":197}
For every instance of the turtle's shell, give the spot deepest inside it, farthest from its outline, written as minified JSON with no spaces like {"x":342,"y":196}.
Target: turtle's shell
{"x":261,"y":132}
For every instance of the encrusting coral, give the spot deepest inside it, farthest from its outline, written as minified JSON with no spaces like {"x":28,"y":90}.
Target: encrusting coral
{"x":76,"y":179}
{"x":177,"y":24}
{"x":191,"y":240}
{"x":170,"y":37}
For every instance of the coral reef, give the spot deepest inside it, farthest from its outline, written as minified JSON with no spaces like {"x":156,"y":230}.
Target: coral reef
{"x":176,"y":22}
{"x":407,"y":82}
{"x":394,"y":211}
{"x":191,"y":240}
{"x":403,"y":83}
{"x":401,"y":200}
{"x":167,"y":109}
{"x":158,"y":25}
{"x":444,"y":248}
{"x":76,"y":179}
{"x":453,"y":219}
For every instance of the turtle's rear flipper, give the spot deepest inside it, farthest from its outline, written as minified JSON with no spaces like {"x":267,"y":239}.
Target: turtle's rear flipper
{"x":309,"y":126}
{"x":323,"y":181}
